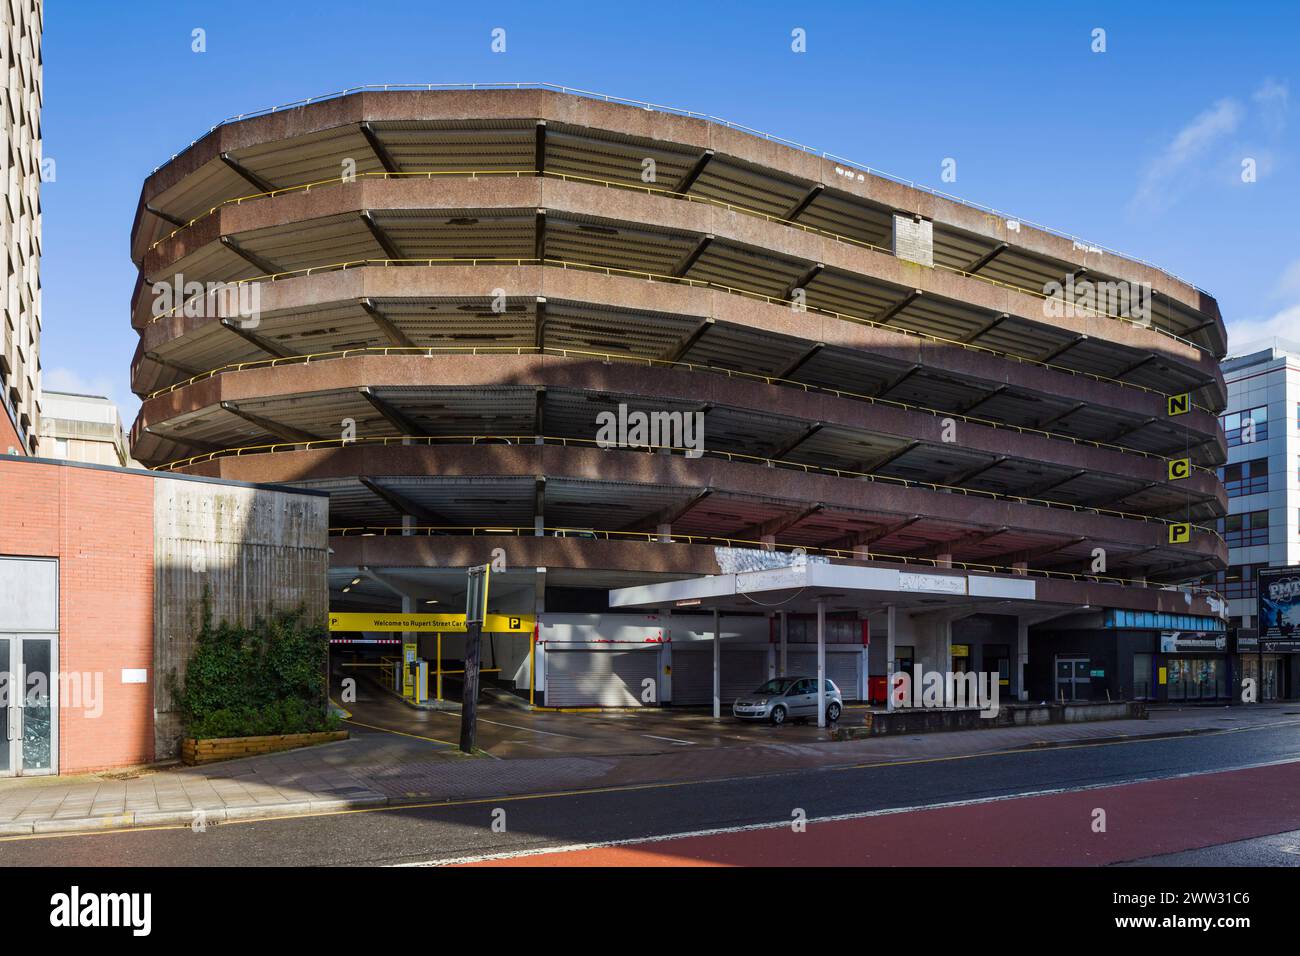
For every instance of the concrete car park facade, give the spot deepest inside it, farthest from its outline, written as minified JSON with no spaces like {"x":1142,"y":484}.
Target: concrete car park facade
{"x":425,"y":302}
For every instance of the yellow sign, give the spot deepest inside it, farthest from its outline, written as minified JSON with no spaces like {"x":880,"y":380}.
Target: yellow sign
{"x":429,"y":623}
{"x":1180,"y":404}
{"x":1180,"y":533}
{"x":408,"y":669}
{"x":1164,"y":676}
{"x":1179,"y":468}
{"x":961,"y":650}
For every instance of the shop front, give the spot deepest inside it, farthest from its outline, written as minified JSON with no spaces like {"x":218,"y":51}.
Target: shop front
{"x":1196,"y":665}
{"x":1273,"y":667}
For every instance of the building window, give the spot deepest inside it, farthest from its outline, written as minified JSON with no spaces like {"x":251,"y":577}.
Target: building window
{"x":1238,"y":582}
{"x":1237,"y":426}
{"x":1245,"y":530}
{"x":1245,"y":478}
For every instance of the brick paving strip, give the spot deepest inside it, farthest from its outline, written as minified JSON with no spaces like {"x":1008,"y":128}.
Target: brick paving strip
{"x":375,"y":769}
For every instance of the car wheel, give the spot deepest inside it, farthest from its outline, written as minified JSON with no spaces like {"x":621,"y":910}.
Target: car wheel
{"x":833,"y":712}
{"x":777,"y":716}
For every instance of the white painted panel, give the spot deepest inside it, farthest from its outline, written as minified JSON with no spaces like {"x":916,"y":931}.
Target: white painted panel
{"x":29,"y":594}
{"x":1023,"y":590}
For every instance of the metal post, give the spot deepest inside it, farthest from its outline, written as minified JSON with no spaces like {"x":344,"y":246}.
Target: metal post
{"x":532,"y":666}
{"x":821,"y":663}
{"x":717,"y":666}
{"x":439,"y":665}
{"x":469,"y":696}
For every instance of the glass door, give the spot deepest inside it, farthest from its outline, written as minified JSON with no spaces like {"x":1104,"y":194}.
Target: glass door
{"x":8,"y":714}
{"x":29,"y":705}
{"x":40,"y":687}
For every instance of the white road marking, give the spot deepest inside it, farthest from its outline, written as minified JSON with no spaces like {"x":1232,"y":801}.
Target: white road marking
{"x":674,"y":740}
{"x":531,"y":730}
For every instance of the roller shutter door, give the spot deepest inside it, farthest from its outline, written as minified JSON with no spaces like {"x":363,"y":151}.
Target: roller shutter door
{"x":598,"y":678}
{"x":841,"y":667}
{"x":743,"y":671}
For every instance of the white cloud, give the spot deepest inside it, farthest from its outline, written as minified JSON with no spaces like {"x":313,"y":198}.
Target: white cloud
{"x":1166,"y":171}
{"x":1272,"y":100}
{"x":1282,"y":323}
{"x":1288,"y":284}
{"x":70,"y":380}
{"x":1285,"y":324}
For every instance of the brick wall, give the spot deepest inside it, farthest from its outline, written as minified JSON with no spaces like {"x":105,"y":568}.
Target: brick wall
{"x":99,"y":524}
{"x":8,"y":435}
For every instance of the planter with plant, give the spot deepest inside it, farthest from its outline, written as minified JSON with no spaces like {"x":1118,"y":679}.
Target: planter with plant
{"x":265,"y":681}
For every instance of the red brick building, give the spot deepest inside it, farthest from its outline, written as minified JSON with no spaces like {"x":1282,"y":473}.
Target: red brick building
{"x":100,"y":571}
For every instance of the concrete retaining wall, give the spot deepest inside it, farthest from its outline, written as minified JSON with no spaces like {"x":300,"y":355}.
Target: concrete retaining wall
{"x":257,"y":550}
{"x":935,"y":720}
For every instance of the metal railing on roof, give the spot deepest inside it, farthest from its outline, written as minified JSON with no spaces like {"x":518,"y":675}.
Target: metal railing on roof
{"x":565,"y":441}
{"x":862,"y":553}
{"x":1085,"y":245}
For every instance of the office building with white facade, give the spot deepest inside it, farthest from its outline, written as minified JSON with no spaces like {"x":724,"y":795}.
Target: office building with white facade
{"x":1262,"y":477}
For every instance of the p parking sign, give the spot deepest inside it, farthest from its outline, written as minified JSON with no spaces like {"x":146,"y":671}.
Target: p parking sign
{"x":1180,"y":533}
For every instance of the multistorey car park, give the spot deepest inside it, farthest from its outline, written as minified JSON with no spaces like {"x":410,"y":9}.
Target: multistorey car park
{"x":452,"y":284}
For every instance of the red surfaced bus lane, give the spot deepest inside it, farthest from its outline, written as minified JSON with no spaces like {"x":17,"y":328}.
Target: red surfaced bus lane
{"x":1051,"y":829}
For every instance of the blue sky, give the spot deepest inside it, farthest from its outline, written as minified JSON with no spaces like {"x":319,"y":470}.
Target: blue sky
{"x":1139,"y":148}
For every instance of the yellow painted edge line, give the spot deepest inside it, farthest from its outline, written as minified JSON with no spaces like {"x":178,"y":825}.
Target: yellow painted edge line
{"x":402,"y":733}
{"x":666,"y":785}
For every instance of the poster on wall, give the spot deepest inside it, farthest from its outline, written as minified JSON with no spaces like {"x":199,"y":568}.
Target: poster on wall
{"x":1279,"y":605}
{"x":1181,"y":642}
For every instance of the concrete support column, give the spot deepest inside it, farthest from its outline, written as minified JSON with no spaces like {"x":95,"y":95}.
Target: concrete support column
{"x":665,"y":532}
{"x":784,"y":659}
{"x":1020,"y":567}
{"x":945,"y":659}
{"x":943,"y":560}
{"x":1022,"y":658}
{"x":531,"y":674}
{"x":408,"y":607}
{"x":539,"y":507}
{"x":821,"y":663}
{"x":769,"y":542}
{"x":717,"y":665}
{"x":772,"y":655}
{"x":891,"y":629}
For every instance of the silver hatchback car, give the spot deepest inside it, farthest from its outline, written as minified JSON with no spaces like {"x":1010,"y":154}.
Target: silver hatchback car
{"x":782,"y":698}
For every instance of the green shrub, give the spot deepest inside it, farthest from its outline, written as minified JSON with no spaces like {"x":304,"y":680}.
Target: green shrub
{"x":247,"y":681}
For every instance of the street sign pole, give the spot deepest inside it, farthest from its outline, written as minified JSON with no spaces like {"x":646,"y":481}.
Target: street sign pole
{"x":476,"y":597}
{"x":469,"y":697}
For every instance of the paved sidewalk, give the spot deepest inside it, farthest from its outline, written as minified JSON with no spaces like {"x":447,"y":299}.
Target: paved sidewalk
{"x":381,"y":769}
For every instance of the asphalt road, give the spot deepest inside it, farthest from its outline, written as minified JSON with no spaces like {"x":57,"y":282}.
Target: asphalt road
{"x":447,"y":831}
